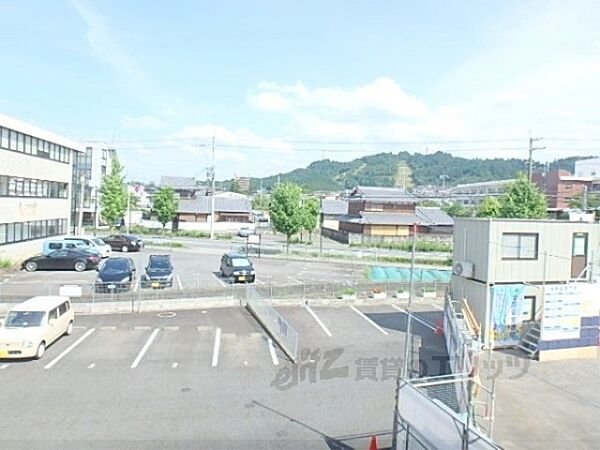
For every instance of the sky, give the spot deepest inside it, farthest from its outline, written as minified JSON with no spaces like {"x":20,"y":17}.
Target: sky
{"x":279,"y":84}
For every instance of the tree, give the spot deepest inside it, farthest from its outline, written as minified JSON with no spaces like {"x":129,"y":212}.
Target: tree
{"x":523,"y":200}
{"x":312,"y":210}
{"x":286,"y":211}
{"x":593,"y":201}
{"x":134,"y":201}
{"x":457,"y":210}
{"x":490,"y":207}
{"x":234,"y":186}
{"x":260,"y":202}
{"x":113,"y":200}
{"x":165,"y":205}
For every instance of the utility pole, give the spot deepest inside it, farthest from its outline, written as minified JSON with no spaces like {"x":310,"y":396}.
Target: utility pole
{"x":128,"y":209}
{"x":212,"y":193}
{"x":320,"y":226}
{"x":531,"y":150}
{"x":411,"y":293}
{"x":81,"y":195}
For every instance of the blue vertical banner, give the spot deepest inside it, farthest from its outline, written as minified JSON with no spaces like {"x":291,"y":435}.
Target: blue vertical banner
{"x":507,"y":306}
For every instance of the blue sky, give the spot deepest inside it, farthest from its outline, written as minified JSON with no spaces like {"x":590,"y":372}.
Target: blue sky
{"x":281,"y":83}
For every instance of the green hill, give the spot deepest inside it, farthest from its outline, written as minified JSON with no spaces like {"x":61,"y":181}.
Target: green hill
{"x":404,"y":169}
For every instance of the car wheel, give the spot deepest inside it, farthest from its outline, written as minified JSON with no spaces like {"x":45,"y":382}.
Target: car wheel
{"x":69,"y":328}
{"x":124,"y":249}
{"x":40,"y":350}
{"x":80,"y":266}
{"x":31,"y":266}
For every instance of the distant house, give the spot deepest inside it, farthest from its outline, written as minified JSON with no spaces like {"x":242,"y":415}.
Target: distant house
{"x":560,"y":187}
{"x":185,"y":187}
{"x":382,"y":214}
{"x":230,"y":213}
{"x":473,"y":194}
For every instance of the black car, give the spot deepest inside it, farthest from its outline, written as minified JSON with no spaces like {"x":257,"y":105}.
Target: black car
{"x":237,"y":267}
{"x":116,"y":274}
{"x":124,"y":242}
{"x":75,"y":259}
{"x":159,"y":272}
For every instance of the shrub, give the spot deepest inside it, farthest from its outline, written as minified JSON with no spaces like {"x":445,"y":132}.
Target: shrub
{"x":400,"y":290}
{"x":420,"y":246}
{"x":349,"y":291}
{"x":377,"y":290}
{"x":5,"y":263}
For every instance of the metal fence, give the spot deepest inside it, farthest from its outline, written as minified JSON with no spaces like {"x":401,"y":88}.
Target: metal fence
{"x":425,"y":420}
{"x":302,"y":292}
{"x":274,"y":323}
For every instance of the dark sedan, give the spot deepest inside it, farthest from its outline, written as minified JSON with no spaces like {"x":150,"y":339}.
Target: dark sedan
{"x":116,"y":274}
{"x":78,"y":260}
{"x":124,"y":242}
{"x":237,"y":267}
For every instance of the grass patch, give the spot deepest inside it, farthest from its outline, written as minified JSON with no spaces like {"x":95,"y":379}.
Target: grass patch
{"x":420,"y":246}
{"x":447,"y":262}
{"x":166,"y":244}
{"x":5,"y":263}
{"x":181,"y":233}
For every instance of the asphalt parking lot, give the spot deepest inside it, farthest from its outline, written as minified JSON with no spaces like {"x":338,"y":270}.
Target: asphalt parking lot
{"x":196,"y":267}
{"x":211,"y":379}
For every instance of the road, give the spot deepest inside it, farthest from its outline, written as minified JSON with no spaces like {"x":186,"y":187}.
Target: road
{"x":210,"y":379}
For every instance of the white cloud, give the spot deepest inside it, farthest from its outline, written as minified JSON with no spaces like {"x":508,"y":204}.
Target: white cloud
{"x":141,"y":122}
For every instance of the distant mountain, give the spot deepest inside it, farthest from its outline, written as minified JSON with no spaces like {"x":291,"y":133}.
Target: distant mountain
{"x":405,"y":169}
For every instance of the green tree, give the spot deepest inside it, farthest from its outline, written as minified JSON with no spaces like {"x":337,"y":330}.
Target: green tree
{"x":165,"y":205}
{"x":113,"y":200}
{"x":457,"y":210}
{"x":260,"y":202}
{"x":490,"y":207}
{"x":134,"y":201}
{"x":593,"y":201}
{"x":312,"y":210}
{"x":286,"y":211}
{"x":234,"y":186}
{"x":523,"y":200}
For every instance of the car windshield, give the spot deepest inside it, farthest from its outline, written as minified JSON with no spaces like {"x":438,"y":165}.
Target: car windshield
{"x":98,"y":241}
{"x":115,"y":265}
{"x":24,"y":319}
{"x":160,"y":264}
{"x":240,"y":262}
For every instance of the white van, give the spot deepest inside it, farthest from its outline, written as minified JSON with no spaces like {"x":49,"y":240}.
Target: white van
{"x":30,"y":327}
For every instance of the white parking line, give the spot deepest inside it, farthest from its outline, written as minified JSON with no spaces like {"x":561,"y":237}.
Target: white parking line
{"x":257,"y":281}
{"x":272,"y":351}
{"x":441,"y":308}
{"x":91,"y":366}
{"x":220,"y":280}
{"x":215,"y":358}
{"x":69,"y":348}
{"x":3,"y":366}
{"x":321,"y":324}
{"x":174,"y":365}
{"x":415,"y":317}
{"x":179,"y":282}
{"x":135,"y":286}
{"x":295,"y":280}
{"x":144,"y":348}
{"x":368,"y":320}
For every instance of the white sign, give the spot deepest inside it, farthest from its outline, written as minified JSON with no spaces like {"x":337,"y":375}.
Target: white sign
{"x":562,"y":312}
{"x":253,"y":239}
{"x":70,"y":290}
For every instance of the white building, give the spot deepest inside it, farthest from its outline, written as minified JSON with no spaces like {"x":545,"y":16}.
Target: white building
{"x":90,"y":166}
{"x":35,"y":187}
{"x":587,"y":168}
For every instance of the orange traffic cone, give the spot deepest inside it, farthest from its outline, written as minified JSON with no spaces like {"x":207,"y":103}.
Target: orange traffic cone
{"x":373,"y":445}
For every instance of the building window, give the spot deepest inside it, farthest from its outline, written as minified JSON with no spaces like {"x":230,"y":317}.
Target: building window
{"x":26,"y":187}
{"x":519,"y":246}
{"x":24,"y":231}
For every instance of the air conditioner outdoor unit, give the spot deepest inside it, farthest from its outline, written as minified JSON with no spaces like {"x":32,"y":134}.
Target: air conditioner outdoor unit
{"x":463,"y":269}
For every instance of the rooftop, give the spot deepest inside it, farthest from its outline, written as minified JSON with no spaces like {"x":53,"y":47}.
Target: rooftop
{"x":201,"y":205}
{"x":178,"y":182}
{"x":34,"y":131}
{"x":338,"y":207}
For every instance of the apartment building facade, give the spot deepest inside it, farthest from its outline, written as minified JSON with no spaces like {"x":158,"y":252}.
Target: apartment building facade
{"x":35,"y":187}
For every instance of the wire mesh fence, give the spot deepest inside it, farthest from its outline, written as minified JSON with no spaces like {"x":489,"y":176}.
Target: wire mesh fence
{"x":117,"y":291}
